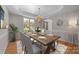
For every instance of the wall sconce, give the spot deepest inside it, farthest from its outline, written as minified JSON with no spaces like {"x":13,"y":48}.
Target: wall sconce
{"x":72,"y":26}
{"x":73,"y":23}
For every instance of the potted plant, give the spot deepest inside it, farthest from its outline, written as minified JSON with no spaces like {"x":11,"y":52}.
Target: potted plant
{"x":13,"y":32}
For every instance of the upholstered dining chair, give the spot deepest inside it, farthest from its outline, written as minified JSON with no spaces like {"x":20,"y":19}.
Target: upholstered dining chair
{"x":27,"y":45}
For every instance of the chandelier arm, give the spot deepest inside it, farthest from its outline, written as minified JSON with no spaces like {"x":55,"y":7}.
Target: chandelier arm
{"x":39,"y":18}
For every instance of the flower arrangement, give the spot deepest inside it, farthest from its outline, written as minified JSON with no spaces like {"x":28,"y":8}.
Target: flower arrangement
{"x":38,"y":29}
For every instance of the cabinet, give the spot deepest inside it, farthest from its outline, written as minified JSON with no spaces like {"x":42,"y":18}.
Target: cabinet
{"x":3,"y":40}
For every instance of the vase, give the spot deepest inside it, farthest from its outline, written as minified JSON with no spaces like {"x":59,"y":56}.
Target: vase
{"x":12,"y":36}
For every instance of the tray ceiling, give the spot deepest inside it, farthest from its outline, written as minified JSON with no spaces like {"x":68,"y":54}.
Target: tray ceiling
{"x":45,"y":10}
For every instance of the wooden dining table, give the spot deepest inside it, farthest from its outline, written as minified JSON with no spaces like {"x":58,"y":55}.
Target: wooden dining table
{"x":46,"y":40}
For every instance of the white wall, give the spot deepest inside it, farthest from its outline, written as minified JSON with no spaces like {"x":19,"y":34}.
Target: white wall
{"x":65,"y":18}
{"x":16,"y":20}
{"x":4,"y":33}
{"x":64,"y":31}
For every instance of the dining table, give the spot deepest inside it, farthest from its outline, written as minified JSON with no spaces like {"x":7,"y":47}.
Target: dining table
{"x":46,"y":40}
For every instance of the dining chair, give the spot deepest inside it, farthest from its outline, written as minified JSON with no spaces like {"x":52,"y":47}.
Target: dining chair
{"x":27,"y":45}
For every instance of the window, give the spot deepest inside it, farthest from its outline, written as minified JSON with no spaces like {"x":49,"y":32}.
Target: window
{"x":29,"y":25}
{"x":32,"y":25}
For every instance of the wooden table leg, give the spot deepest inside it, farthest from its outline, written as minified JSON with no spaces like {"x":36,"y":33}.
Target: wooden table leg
{"x":50,"y":47}
{"x":47,"y":50}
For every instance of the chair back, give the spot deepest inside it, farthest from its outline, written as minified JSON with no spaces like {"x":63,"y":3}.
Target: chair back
{"x":26,"y":44}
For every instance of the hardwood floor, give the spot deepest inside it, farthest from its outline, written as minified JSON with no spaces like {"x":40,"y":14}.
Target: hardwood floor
{"x":71,"y":48}
{"x":11,"y":49}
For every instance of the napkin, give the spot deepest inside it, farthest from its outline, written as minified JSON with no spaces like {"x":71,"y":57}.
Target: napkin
{"x":50,"y":34}
{"x":41,"y":37}
{"x":33,"y":34}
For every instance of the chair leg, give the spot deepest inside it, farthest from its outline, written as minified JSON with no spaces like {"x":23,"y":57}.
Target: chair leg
{"x":25,"y":51}
{"x":40,"y":52}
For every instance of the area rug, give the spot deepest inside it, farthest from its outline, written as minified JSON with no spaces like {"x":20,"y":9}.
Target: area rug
{"x":60,"y":48}
{"x":19,"y":47}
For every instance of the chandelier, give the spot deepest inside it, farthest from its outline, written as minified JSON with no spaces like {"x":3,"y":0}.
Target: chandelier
{"x":39,"y":18}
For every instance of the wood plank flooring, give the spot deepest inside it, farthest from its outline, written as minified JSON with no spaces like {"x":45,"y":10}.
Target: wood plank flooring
{"x":71,"y":48}
{"x":11,"y":49}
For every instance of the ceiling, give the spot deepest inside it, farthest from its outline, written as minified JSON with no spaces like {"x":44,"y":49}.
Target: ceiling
{"x":46,"y":11}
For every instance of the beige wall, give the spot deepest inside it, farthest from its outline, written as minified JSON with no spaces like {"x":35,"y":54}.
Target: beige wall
{"x":16,"y":20}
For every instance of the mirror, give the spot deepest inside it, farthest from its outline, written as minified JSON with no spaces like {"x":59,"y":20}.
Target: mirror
{"x":59,"y":22}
